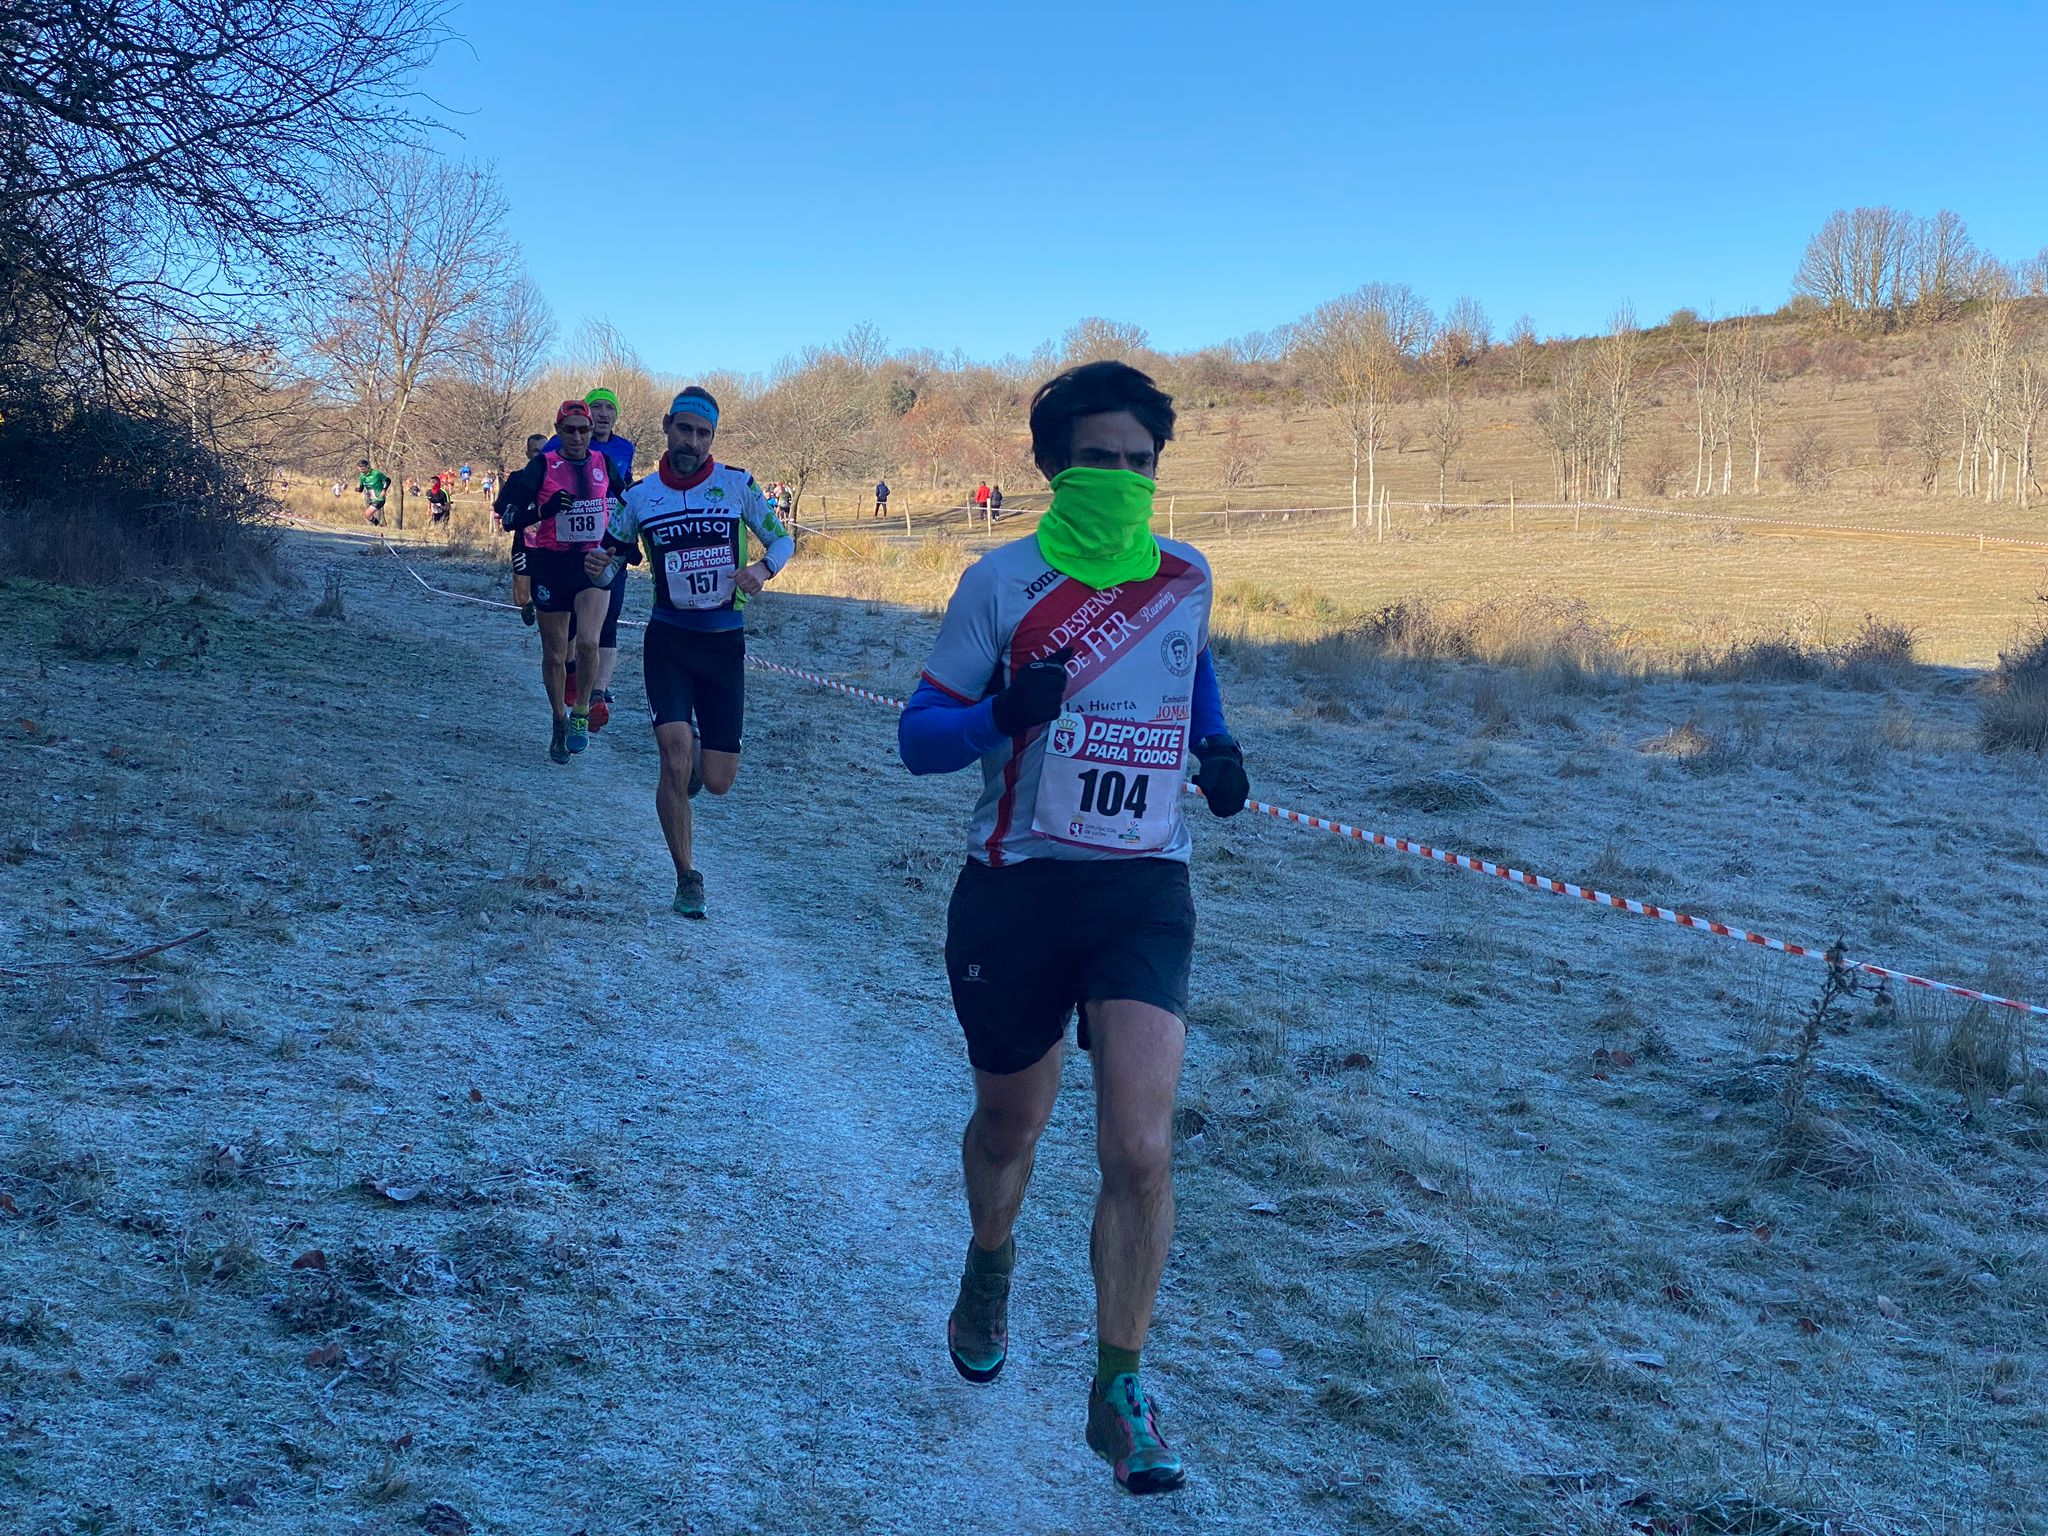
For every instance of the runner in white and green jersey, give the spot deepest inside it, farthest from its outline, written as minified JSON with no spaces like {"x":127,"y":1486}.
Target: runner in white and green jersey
{"x":693,"y":519}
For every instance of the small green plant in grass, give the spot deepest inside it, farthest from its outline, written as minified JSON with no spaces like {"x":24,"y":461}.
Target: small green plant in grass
{"x":1806,"y":1140}
{"x":1828,"y":1011}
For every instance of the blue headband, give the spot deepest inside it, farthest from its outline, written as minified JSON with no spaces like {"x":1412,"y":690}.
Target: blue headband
{"x":694,"y":405}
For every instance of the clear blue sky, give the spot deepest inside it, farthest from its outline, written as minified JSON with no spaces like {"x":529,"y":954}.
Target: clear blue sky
{"x":982,"y":175}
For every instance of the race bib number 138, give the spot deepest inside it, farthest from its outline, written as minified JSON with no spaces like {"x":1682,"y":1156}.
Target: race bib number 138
{"x":584,"y":523}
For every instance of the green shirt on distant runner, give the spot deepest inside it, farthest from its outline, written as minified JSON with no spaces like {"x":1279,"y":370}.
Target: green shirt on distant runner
{"x":373,"y":486}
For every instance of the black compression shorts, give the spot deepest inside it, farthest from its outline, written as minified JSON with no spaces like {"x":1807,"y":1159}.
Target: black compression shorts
{"x":701,"y":673}
{"x":1028,"y":943}
{"x":557,"y":576}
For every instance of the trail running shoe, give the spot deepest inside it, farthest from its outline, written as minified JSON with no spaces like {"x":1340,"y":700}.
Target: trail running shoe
{"x":978,"y":1332}
{"x":558,"y":745}
{"x":579,"y":730}
{"x":600,"y":708}
{"x":527,"y":614}
{"x":690,"y":895}
{"x":1123,"y":1429}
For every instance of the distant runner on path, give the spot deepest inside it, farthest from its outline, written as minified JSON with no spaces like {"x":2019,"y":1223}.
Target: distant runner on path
{"x":563,"y":500}
{"x":692,"y":519}
{"x":1074,"y":666}
{"x":881,"y":498}
{"x":604,"y":410}
{"x":375,"y":486}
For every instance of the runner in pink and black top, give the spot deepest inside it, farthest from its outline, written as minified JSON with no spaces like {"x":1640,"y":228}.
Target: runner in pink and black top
{"x":564,"y":500}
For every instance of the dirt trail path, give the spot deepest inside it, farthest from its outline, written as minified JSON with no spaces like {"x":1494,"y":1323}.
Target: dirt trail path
{"x":773,"y":1099}
{"x":1491,"y":1216}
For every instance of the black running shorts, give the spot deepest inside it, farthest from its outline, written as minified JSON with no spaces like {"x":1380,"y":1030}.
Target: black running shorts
{"x":1028,"y":943}
{"x":557,"y":576}
{"x":702,"y":673}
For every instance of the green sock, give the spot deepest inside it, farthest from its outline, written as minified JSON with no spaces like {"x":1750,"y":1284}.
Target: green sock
{"x":982,"y":1262}
{"x":1111,"y":1362}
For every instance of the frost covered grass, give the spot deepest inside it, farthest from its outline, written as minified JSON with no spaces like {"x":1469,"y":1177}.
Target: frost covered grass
{"x":450,"y":1183}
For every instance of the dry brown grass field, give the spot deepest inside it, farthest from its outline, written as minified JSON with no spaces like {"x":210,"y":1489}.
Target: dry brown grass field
{"x":450,"y":1184}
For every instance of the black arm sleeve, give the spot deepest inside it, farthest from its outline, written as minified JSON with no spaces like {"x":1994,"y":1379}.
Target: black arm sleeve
{"x":515,"y":502}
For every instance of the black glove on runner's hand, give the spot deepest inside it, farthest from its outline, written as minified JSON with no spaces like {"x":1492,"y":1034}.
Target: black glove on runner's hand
{"x":1035,"y":695}
{"x":1221,"y":777}
{"x":558,"y":503}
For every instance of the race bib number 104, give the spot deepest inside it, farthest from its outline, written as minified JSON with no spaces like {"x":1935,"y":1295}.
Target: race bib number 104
{"x":1113,"y":784}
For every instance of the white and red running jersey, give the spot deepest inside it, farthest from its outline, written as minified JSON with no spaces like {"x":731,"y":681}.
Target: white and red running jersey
{"x":1103,"y":781}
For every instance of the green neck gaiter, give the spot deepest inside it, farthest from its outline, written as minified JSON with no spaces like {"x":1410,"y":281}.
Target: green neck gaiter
{"x":1098,"y":529}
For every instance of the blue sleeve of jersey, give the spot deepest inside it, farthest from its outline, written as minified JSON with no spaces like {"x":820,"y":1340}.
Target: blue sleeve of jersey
{"x":1206,"y":711}
{"x":941,"y":734}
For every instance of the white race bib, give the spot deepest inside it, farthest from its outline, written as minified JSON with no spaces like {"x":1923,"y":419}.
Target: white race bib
{"x":583,"y":523}
{"x":699,"y":575}
{"x":1108,"y":783}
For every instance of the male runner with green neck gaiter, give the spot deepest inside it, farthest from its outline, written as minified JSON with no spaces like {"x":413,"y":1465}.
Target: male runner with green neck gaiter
{"x":1074,"y":667}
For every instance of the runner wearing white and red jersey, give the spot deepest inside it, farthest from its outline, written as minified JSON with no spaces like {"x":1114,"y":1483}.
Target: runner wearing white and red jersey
{"x":1074,"y":666}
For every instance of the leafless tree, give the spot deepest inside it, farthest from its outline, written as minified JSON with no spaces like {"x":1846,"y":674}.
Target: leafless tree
{"x":1983,"y":370}
{"x":476,"y":407}
{"x":1699,"y":358}
{"x":1523,"y":351}
{"x":2026,"y":401}
{"x":424,"y":258}
{"x":1810,"y":460}
{"x":1931,"y":425}
{"x":1240,"y":454}
{"x":1827,"y":270}
{"x":1256,"y":347}
{"x":1355,"y":352}
{"x":162,"y":165}
{"x":1095,"y":339}
{"x":2033,"y":274}
{"x":1465,"y":334}
{"x":1569,"y":418}
{"x":811,"y":422}
{"x":602,"y":356}
{"x":1877,"y":256}
{"x":1443,"y":429}
{"x":1940,"y":254}
{"x":1751,"y":398}
{"x":929,"y":432}
{"x":1619,"y":355}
